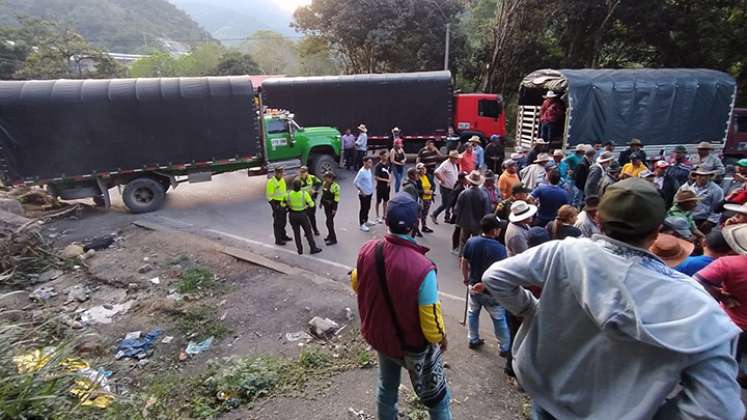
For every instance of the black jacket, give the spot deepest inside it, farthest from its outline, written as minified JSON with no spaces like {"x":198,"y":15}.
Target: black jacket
{"x":582,"y":173}
{"x":625,"y":156}
{"x":470,"y":208}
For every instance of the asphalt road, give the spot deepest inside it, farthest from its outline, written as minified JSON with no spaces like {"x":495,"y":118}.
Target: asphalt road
{"x":233,"y":207}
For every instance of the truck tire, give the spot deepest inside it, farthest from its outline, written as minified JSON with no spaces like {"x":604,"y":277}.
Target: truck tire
{"x":142,"y":195}
{"x":319,"y":164}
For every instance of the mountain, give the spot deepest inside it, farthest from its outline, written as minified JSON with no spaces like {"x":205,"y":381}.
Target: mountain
{"x":232,"y":20}
{"x":123,"y":26}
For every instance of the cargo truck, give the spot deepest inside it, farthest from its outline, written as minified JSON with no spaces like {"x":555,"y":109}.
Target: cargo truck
{"x":423,"y":105}
{"x":80,"y":138}
{"x":661,"y":107}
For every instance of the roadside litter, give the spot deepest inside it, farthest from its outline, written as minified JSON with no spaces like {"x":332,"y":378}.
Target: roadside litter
{"x":43,"y":294}
{"x":77,"y":293}
{"x":99,"y":242}
{"x":103,"y":314}
{"x":197,"y":348}
{"x":296,"y":336}
{"x":323,"y":327}
{"x":135,"y":346}
{"x":155,"y":280}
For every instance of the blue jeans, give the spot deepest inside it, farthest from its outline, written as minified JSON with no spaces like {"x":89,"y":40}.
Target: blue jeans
{"x":539,"y":413}
{"x":497,"y":314}
{"x":399,"y":173}
{"x":388,"y":393}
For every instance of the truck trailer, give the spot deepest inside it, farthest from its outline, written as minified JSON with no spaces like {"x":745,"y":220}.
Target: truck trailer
{"x":661,"y":107}
{"x":80,"y":138}
{"x":423,"y":105}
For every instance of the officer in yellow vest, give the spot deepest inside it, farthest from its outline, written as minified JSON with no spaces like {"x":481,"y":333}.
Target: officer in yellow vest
{"x":311,"y":185}
{"x":330,"y":200}
{"x":298,"y":203}
{"x":275,"y":192}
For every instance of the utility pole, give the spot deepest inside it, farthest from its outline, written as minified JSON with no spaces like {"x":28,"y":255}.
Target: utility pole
{"x":446,"y":50}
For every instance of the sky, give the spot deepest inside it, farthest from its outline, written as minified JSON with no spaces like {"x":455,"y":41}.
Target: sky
{"x":291,"y":5}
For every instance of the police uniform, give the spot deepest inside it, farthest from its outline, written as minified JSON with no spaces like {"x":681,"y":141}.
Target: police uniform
{"x":275,"y":192}
{"x":298,"y":203}
{"x":330,"y":200}
{"x":311,"y":185}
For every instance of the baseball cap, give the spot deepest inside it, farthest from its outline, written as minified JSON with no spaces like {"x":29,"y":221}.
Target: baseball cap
{"x":519,"y":188}
{"x":402,"y":213}
{"x":679,"y":226}
{"x":632,"y":206}
{"x":662,"y":164}
{"x":742,"y":163}
{"x":490,"y":222}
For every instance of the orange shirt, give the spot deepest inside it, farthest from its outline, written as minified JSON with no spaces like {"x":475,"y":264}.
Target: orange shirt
{"x":506,"y":182}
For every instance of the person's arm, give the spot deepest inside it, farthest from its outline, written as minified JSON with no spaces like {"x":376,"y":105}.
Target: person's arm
{"x":307,"y":198}
{"x":506,"y":280}
{"x":709,"y":388}
{"x":269,"y":190}
{"x":335,"y":189}
{"x":464,"y":264}
{"x":429,"y":311}
{"x":357,"y":182}
{"x":717,"y":198}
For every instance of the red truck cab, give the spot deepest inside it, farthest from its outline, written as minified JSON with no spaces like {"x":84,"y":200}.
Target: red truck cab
{"x":736,"y":138}
{"x":479,"y":114}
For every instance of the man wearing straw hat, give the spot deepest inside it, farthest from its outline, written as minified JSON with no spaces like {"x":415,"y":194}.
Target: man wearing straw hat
{"x":706,"y":158}
{"x":551,"y":116}
{"x":539,"y":147}
{"x":517,"y":232}
{"x":597,"y":173}
{"x":471,"y":206}
{"x":706,"y":214}
{"x":634,"y":146}
{"x":614,"y":317}
{"x":361,"y":146}
{"x":534,"y":174}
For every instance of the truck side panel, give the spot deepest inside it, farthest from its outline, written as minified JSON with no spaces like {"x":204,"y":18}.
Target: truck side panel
{"x":420,"y":104}
{"x":71,"y":128}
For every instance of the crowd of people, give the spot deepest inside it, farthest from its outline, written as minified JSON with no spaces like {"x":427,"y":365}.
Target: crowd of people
{"x":640,"y":263}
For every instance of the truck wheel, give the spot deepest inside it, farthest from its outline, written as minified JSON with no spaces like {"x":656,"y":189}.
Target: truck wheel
{"x":142,"y":195}
{"x":319,"y":164}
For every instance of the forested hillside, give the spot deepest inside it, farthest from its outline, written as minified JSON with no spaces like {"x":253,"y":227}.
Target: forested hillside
{"x":125,"y":26}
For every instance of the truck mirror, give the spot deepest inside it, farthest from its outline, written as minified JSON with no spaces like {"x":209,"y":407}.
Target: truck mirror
{"x":291,"y":134}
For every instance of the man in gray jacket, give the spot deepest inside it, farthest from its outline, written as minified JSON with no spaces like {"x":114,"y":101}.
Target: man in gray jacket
{"x":616,"y":330}
{"x":597,"y":173}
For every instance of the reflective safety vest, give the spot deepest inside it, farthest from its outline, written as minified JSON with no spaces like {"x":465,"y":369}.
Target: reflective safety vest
{"x":311,"y":184}
{"x":275,"y":189}
{"x":331,"y":193}
{"x":299,"y":201}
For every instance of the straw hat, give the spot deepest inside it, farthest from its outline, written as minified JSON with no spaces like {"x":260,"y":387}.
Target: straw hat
{"x":539,"y":140}
{"x":672,"y":250}
{"x":704,"y":145}
{"x":736,"y":208}
{"x":605,"y":157}
{"x":542,"y":157}
{"x":362,"y":128}
{"x":635,"y":142}
{"x":736,"y":237}
{"x":558,"y":152}
{"x":580,"y":148}
{"x":520,"y":210}
{"x":475,"y":178}
{"x":453,"y":154}
{"x":703,"y":170}
{"x":683,"y":196}
{"x":550,"y":94}
{"x":474,"y":139}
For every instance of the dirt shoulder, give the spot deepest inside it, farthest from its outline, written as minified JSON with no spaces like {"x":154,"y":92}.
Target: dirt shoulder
{"x":260,"y":363}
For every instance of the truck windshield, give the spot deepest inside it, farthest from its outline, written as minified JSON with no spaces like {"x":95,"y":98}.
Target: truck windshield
{"x":489,"y":108}
{"x":277,"y":126}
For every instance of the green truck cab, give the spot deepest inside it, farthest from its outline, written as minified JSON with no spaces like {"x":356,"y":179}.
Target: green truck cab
{"x":291,"y":146}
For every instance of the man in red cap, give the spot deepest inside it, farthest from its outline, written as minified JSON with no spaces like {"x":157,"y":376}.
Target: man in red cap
{"x":666,"y":185}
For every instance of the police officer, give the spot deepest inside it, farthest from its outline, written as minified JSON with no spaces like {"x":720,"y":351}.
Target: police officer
{"x":311,"y":185}
{"x":298,"y":202}
{"x":275,"y":192}
{"x":330,"y":200}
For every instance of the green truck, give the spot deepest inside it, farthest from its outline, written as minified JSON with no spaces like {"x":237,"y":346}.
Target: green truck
{"x":80,"y":138}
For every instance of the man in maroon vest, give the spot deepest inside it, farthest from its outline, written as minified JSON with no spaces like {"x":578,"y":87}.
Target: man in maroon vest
{"x":401,"y":313}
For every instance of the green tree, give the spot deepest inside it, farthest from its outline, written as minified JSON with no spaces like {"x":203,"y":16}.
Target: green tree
{"x":384,"y":35}
{"x":273,"y":53}
{"x":201,"y":60}
{"x":155,"y":65}
{"x":236,"y":63}
{"x":316,"y":58}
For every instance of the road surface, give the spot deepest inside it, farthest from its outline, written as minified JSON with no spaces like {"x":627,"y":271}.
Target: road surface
{"x":233,"y":207}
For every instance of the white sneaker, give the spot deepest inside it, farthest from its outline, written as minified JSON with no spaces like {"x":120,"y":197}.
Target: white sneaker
{"x":370,"y":223}
{"x":379,"y":221}
{"x":365,"y":228}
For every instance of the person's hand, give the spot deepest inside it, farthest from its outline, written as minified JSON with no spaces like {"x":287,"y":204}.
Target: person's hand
{"x":478,"y":287}
{"x":444,"y":345}
{"x":740,"y":178}
{"x":465,"y":281}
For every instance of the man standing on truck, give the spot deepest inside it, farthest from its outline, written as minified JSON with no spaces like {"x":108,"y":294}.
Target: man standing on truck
{"x":348,"y":149}
{"x":275,"y":193}
{"x":633,"y":147}
{"x":364,"y":183}
{"x":299,"y":201}
{"x":311,"y":185}
{"x":361,"y":145}
{"x":551,"y":118}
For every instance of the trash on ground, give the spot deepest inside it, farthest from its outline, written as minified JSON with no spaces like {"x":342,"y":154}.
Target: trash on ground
{"x":133,"y":335}
{"x":103,"y":314}
{"x":349,"y":314}
{"x":43,"y":294}
{"x":145,"y":269}
{"x":78,"y":292}
{"x":137,"y":346}
{"x":49,"y":275}
{"x":99,"y":242}
{"x":155,"y":280}
{"x":92,"y":388}
{"x":73,"y":251}
{"x":197,"y":348}
{"x":296,"y":336}
{"x":167,"y":339}
{"x":323,"y":327}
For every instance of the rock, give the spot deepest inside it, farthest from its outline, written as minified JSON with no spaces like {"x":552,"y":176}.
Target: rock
{"x":78,"y":293}
{"x":91,"y":344}
{"x":43,"y":294}
{"x":73,"y":251}
{"x":14,"y":300}
{"x":183,"y":356}
{"x":323,"y":327}
{"x":145,"y":269}
{"x":11,"y":205}
{"x":49,"y":275}
{"x":71,"y":322}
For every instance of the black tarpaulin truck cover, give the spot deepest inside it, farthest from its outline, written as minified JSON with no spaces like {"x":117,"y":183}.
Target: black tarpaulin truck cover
{"x":66,"y":128}
{"x":657,"y":106}
{"x":420,"y":104}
